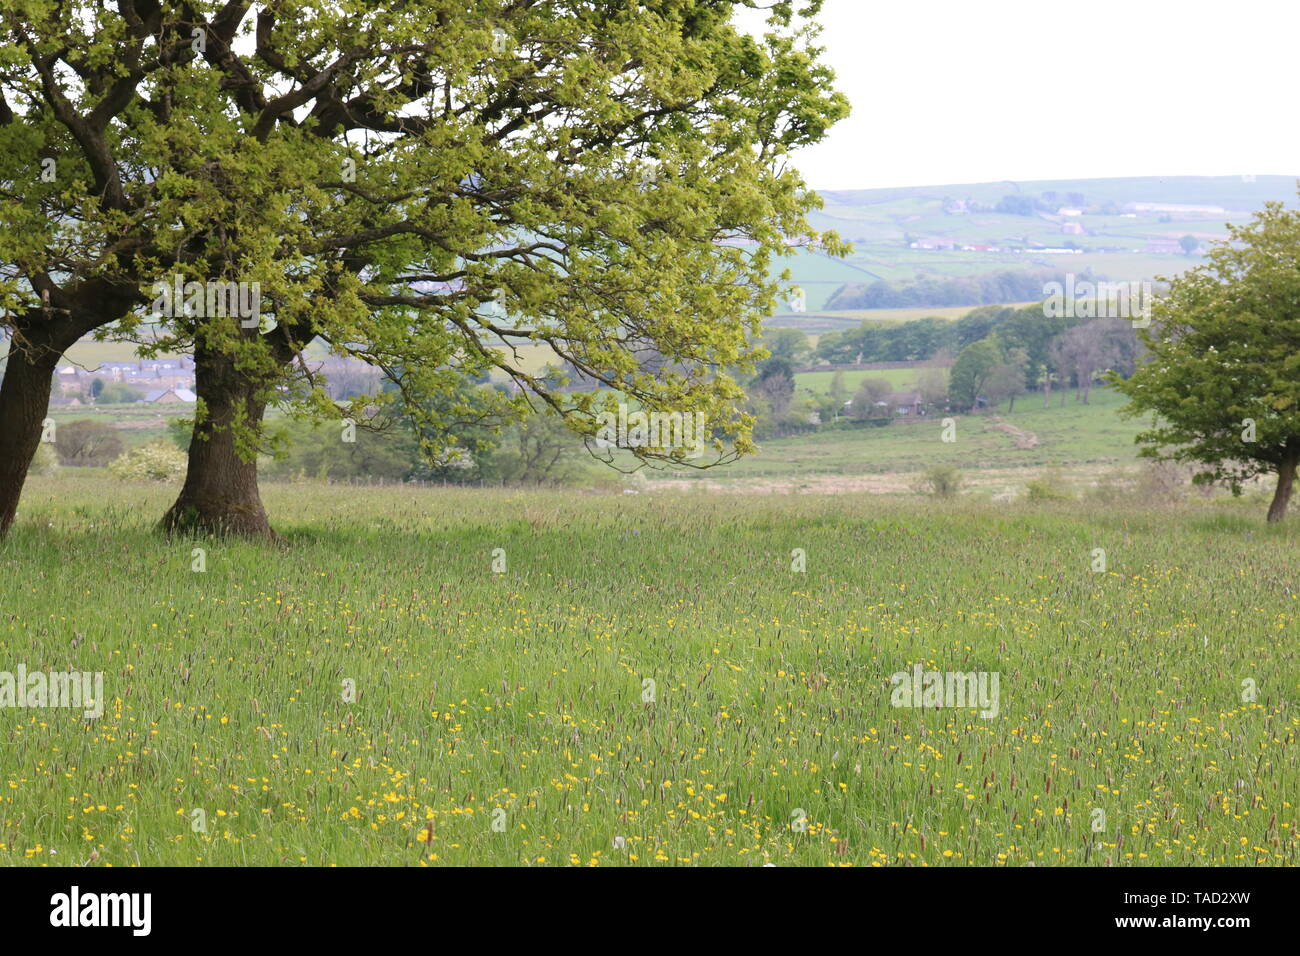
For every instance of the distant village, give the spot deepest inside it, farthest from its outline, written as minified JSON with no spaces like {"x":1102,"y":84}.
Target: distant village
{"x":163,"y":381}
{"x":170,"y":381}
{"x":1068,"y":219}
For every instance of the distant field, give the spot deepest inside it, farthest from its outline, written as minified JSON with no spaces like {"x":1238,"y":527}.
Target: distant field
{"x":839,"y":319}
{"x":902,"y":379}
{"x":89,"y":354}
{"x":137,"y":423}
{"x":880,"y":222}
{"x":1134,"y":267}
{"x":1083,"y":439}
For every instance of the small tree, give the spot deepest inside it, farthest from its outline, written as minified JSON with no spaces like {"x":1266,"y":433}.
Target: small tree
{"x":157,"y":461}
{"x":45,"y":461}
{"x":932,"y":384}
{"x":839,"y":392}
{"x":1221,"y":373}
{"x":789,"y":344}
{"x":869,"y":394}
{"x":1090,"y":348}
{"x":538,"y":450}
{"x":775,"y":382}
{"x":1006,"y":380}
{"x":942,"y":481}
{"x":971,"y":371}
{"x":87,"y":443}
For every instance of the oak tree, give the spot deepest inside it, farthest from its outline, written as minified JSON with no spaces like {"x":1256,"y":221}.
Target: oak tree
{"x":426,"y":187}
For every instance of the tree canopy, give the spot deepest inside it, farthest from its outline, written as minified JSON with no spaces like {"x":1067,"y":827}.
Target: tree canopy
{"x":424,"y":186}
{"x":1221,"y":378}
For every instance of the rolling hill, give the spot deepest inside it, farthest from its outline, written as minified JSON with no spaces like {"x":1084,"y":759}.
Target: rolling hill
{"x":1122,"y":229}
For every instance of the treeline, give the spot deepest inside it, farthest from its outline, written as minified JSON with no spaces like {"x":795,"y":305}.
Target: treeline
{"x":1000,"y":351}
{"x":537,"y":450}
{"x":914,"y":341}
{"x":492,"y":443}
{"x":1019,"y":285}
{"x":1028,"y":351}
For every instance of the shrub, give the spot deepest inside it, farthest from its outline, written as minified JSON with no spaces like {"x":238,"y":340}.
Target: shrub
{"x":86,"y":442}
{"x":46,"y":460}
{"x":942,"y":481}
{"x":157,"y":461}
{"x":1051,"y":486}
{"x":1165,"y":482}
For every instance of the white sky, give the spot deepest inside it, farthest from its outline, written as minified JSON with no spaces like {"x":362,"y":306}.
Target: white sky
{"x":963,"y":91}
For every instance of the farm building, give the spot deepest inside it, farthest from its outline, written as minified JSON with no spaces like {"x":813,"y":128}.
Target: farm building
{"x":170,"y":396}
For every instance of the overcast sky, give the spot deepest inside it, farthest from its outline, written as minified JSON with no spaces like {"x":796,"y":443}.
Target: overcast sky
{"x":960,"y":92}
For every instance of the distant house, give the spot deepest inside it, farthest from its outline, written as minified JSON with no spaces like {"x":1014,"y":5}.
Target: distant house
{"x":171,"y":396}
{"x":1072,"y":228}
{"x":1163,"y":247}
{"x":905,"y":403}
{"x":933,"y":244}
{"x":1069,"y":211}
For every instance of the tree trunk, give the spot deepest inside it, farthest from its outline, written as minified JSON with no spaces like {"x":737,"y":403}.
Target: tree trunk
{"x":1282,"y":496}
{"x":220,"y":493}
{"x":24,"y":403}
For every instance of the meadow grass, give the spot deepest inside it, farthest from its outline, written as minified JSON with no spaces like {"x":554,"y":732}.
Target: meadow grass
{"x":520,"y":698}
{"x":1077,"y":436}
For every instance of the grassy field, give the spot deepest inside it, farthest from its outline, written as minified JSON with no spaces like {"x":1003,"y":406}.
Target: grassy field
{"x":902,"y":379}
{"x":1084,"y":442}
{"x":137,"y":423}
{"x":649,"y":682}
{"x":881,"y":223}
{"x":1079,"y":439}
{"x":838,"y":319}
